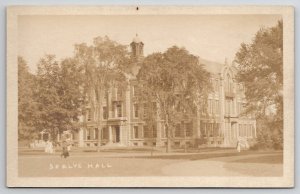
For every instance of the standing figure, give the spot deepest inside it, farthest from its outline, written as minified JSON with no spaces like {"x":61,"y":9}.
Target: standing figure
{"x":49,"y":147}
{"x":238,"y":147}
{"x":65,"y":151}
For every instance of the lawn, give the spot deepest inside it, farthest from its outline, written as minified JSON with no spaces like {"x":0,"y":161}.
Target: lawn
{"x":218,"y":162}
{"x":210,"y":155}
{"x":271,"y":159}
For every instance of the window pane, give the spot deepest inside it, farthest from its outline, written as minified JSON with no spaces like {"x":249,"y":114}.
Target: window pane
{"x":119,"y":110}
{"x":147,"y":132}
{"x":189,"y":129}
{"x":104,"y":112}
{"x":177,"y":130}
{"x":96,"y":133}
{"x":136,"y":110}
{"x":145,"y":110}
{"x":136,"y":132}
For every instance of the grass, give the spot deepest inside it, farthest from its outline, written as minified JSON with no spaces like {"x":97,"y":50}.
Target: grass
{"x":254,"y":163}
{"x":201,"y":156}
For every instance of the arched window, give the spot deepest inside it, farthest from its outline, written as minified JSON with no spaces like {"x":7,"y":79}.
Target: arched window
{"x":228,"y":84}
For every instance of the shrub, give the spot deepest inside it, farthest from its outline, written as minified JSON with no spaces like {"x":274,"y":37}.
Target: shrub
{"x":267,"y":140}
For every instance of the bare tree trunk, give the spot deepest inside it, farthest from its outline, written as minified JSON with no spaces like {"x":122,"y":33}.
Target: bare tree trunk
{"x":168,"y":131}
{"x":168,"y":147}
{"x":100,"y":116}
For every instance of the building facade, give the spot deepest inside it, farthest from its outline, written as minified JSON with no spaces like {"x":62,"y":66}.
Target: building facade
{"x":122,"y":118}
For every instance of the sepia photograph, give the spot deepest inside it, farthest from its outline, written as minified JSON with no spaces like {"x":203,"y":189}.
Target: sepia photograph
{"x":150,"y":96}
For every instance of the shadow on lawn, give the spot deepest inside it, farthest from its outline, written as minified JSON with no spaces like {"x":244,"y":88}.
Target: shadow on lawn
{"x":272,"y":159}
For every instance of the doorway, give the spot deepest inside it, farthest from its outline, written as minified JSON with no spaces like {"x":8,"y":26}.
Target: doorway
{"x":116,"y":134}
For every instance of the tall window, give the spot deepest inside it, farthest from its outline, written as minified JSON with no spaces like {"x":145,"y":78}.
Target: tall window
{"x":240,"y":130}
{"x":135,"y":132}
{"x":89,"y":134}
{"x":145,"y":110}
{"x":105,"y":115}
{"x":228,"y":84}
{"x":229,"y":107}
{"x":154,"y":130}
{"x":147,"y":132}
{"x":119,"y":110}
{"x":210,"y":106}
{"x":96,"y":133}
{"x":210,"y":129}
{"x":177,"y":130}
{"x":203,"y":128}
{"x":163,"y":132}
{"x":189,"y":129}
{"x":89,"y":115}
{"x":136,"y":110}
{"x":232,"y":107}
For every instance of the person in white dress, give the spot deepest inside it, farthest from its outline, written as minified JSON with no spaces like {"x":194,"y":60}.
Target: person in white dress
{"x":238,"y":147}
{"x":49,"y":147}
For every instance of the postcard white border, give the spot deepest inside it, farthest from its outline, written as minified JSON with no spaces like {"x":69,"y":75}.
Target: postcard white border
{"x":287,"y":180}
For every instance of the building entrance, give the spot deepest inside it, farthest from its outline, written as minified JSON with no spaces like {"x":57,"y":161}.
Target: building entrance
{"x":116,"y":134}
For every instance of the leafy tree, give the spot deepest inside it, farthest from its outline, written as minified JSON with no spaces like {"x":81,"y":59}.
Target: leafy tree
{"x":58,"y":95}
{"x":170,"y":78}
{"x":70,"y":92}
{"x":102,"y":64}
{"x":26,"y":102}
{"x":260,"y":69}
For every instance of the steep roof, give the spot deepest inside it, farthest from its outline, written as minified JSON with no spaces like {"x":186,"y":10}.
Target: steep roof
{"x":210,"y":66}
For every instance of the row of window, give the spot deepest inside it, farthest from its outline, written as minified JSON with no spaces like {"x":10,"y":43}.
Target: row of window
{"x":91,"y":133}
{"x":213,"y":106}
{"x":246,"y":130}
{"x":184,"y":130}
{"x":145,"y":109}
{"x":207,"y":130}
{"x":210,"y":129}
{"x":213,"y":130}
{"x":229,"y":85}
{"x":144,"y":131}
{"x":117,"y":112}
{"x":231,"y":109}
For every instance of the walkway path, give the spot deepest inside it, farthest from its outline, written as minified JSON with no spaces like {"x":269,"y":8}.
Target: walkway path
{"x":225,"y":166}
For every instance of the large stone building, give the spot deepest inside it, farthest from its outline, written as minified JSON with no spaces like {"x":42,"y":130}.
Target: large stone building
{"x":122,"y":118}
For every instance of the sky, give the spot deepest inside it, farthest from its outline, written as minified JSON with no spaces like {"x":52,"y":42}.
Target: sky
{"x":212,"y":37}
